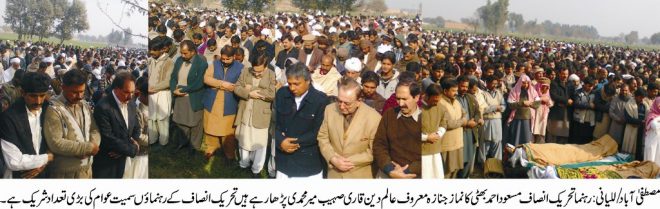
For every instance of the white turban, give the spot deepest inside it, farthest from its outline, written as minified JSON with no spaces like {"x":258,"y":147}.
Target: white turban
{"x":384,"y":48}
{"x":48,"y":59}
{"x":353,"y":65}
{"x":15,"y":60}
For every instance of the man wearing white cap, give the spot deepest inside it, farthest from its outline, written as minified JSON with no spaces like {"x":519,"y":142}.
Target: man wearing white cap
{"x":353,"y":69}
{"x":49,"y":70}
{"x":9,"y":72}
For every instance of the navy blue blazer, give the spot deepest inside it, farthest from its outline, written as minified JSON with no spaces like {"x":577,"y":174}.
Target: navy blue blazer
{"x":302,"y":124}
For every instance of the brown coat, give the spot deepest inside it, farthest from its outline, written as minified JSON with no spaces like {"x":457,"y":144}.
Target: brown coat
{"x":317,"y":55}
{"x":371,"y":61}
{"x":260,"y":118}
{"x":355,"y":143}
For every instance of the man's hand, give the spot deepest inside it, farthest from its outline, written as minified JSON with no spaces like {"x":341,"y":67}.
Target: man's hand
{"x":178,"y":93}
{"x":255,"y":94}
{"x":499,"y":109}
{"x":34,"y":172}
{"x":433,"y":138}
{"x":227,"y":86}
{"x":399,"y":172}
{"x":95,"y":150}
{"x":289,"y":145}
{"x":471,"y":123}
{"x":152,"y":90}
{"x":137,"y":146}
{"x":570,"y":102}
{"x":50,"y":157}
{"x":114,"y":155}
{"x":342,"y":163}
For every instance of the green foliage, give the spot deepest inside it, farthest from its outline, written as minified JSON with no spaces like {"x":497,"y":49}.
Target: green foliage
{"x":438,"y":21}
{"x":632,"y":37}
{"x":655,"y":38}
{"x":343,"y":6}
{"x":255,"y":6}
{"x":494,"y":15}
{"x":515,"y":21}
{"x":29,"y":18}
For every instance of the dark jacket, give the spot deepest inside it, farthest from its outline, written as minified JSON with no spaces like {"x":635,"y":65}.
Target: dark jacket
{"x":302,"y":124}
{"x":15,"y":129}
{"x":195,"y":88}
{"x":283,"y":55}
{"x":559,"y":93}
{"x":115,"y":137}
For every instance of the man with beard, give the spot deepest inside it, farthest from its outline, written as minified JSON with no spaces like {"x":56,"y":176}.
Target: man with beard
{"x":369,"y":53}
{"x":398,"y":144}
{"x":23,"y":146}
{"x":220,"y":104}
{"x":310,"y":55}
{"x":187,"y":86}
{"x":617,"y":113}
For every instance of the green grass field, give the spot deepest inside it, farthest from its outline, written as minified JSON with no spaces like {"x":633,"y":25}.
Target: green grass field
{"x":82,"y":44}
{"x":166,"y":162}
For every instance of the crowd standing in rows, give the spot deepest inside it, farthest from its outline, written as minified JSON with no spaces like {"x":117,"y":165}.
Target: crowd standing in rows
{"x":321,"y":96}
{"x":72,"y":112}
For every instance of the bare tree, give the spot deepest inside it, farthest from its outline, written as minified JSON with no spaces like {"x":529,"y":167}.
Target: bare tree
{"x":131,"y":7}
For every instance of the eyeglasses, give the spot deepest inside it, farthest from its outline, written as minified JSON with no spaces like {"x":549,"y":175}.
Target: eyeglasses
{"x":347,"y":104}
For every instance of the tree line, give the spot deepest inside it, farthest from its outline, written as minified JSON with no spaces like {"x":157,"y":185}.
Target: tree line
{"x":342,"y":6}
{"x":45,"y":18}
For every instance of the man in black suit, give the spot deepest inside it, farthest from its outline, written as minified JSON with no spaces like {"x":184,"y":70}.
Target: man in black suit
{"x":559,"y":116}
{"x":299,"y":113}
{"x":116,"y":118}
{"x":24,"y":150}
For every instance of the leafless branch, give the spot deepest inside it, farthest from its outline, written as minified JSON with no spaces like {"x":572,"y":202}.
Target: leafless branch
{"x":125,"y":30}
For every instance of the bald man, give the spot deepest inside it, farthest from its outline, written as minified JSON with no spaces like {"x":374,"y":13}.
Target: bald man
{"x":326,"y":76}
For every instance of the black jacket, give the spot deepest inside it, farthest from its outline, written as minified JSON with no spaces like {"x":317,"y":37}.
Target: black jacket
{"x":15,"y":129}
{"x":115,"y":137}
{"x":560,"y":94}
{"x":302,"y":124}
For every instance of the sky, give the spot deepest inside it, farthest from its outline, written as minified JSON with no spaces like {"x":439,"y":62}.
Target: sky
{"x":610,"y":17}
{"x":99,"y":24}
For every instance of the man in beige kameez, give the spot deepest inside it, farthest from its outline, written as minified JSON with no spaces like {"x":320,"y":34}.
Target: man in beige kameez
{"x":70,"y":131}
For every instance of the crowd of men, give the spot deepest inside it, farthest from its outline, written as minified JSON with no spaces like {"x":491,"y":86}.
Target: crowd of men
{"x":72,"y":112}
{"x":320,"y":96}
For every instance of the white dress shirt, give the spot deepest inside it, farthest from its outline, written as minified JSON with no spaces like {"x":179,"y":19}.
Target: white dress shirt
{"x":15,"y":160}
{"x":299,"y":100}
{"x":123,"y":107}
